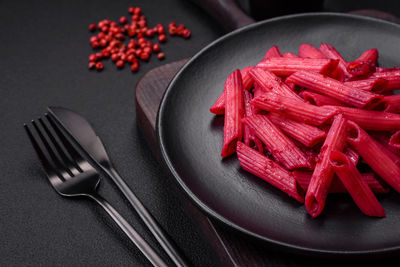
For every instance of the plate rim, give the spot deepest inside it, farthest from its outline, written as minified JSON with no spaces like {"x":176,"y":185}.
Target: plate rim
{"x":298,"y":249}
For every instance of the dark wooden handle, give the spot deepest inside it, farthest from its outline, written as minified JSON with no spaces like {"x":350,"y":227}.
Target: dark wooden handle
{"x":226,"y":12}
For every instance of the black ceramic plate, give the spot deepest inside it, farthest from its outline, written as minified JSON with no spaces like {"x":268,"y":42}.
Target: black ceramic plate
{"x":190,"y":139}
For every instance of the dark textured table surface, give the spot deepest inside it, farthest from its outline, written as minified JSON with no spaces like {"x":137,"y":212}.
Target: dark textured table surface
{"x":43,"y":61}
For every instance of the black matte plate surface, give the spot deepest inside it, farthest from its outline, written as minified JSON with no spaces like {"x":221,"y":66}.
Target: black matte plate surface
{"x":191,"y":139}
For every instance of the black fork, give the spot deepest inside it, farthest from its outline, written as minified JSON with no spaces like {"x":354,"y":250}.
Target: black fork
{"x":72,"y":175}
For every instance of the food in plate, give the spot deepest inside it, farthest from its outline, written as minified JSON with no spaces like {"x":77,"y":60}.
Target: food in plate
{"x":313,"y":124}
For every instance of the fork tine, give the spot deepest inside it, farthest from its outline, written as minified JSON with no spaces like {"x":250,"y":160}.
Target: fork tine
{"x":61,"y":151}
{"x":52,"y":173}
{"x":81,"y":163}
{"x":59,"y":164}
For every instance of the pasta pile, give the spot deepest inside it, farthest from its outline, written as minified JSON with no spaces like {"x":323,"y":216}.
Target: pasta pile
{"x":313,"y":124}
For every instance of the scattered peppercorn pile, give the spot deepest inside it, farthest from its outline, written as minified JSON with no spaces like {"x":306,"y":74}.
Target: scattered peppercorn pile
{"x":117,"y":40}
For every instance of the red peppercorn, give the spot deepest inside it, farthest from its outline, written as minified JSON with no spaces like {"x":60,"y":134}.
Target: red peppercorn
{"x":161,"y":55}
{"x":131,"y":58}
{"x":141,"y":41}
{"x":105,"y":52}
{"x":172,"y":24}
{"x":95,"y":44}
{"x":93,"y":39}
{"x":114,"y":57}
{"x":122,"y":56}
{"x":135,"y":66}
{"x":137,"y":11}
{"x":103,"y":42}
{"x":160,"y":29}
{"x":156,"y":47}
{"x":131,"y":9}
{"x":150,"y":33}
{"x":142,"y":23}
{"x":186,"y":33}
{"x":172,"y":30}
{"x":139,"y":34}
{"x":123,"y":20}
{"x":138,"y":52}
{"x":162,"y":38}
{"x":91,"y":64}
{"x":143,"y":45}
{"x":147,"y":49}
{"x":120,"y":64}
{"x":114,"y":50}
{"x":92,"y":57}
{"x":120,"y":36}
{"x":99,"y":66}
{"x":135,"y":17}
{"x":92,"y":27}
{"x":101,"y":35}
{"x":144,"y":56}
{"x":104,"y":28}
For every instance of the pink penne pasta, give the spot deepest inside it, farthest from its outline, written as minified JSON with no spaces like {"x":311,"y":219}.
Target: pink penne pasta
{"x":393,"y":103}
{"x":247,"y":79}
{"x":248,"y":133}
{"x":330,"y":52}
{"x":335,"y":89}
{"x":320,"y":100}
{"x":376,"y":85}
{"x":394,"y":140}
{"x":365,"y":64}
{"x":280,"y":146}
{"x":373,"y":155}
{"x":272,"y":52}
{"x":270,"y":82}
{"x":306,"y":134}
{"x":351,"y":154}
{"x":261,"y":166}
{"x":355,"y":185}
{"x":323,"y":173}
{"x":218,"y":108}
{"x":309,"y":51}
{"x":293,"y":109}
{"x":370,"y":119}
{"x":286,"y":66}
{"x":303,"y":179}
{"x":288,"y":54}
{"x":393,"y":78}
{"x":234,"y":112}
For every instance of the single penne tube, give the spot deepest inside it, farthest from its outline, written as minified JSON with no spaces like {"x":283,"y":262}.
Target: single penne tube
{"x":330,"y":52}
{"x":218,"y":107}
{"x":306,"y":134}
{"x":355,"y":185}
{"x":365,"y":64}
{"x":256,"y":163}
{"x":277,"y":143}
{"x":393,"y":78}
{"x":286,"y":66}
{"x":303,"y":179}
{"x":234,"y":112}
{"x":335,"y":89}
{"x":272,"y":52}
{"x":248,"y":133}
{"x":373,"y":155}
{"x":293,"y":109}
{"x":270,"y":82}
{"x":309,"y":51}
{"x":370,"y":119}
{"x":323,"y":173}
{"x":393,"y":103}
{"x":320,"y":100}
{"x":247,"y":79}
{"x":376,"y":85}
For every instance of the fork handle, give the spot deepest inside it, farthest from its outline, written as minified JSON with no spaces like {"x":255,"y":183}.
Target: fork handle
{"x":134,"y":236}
{"x":162,"y":238}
